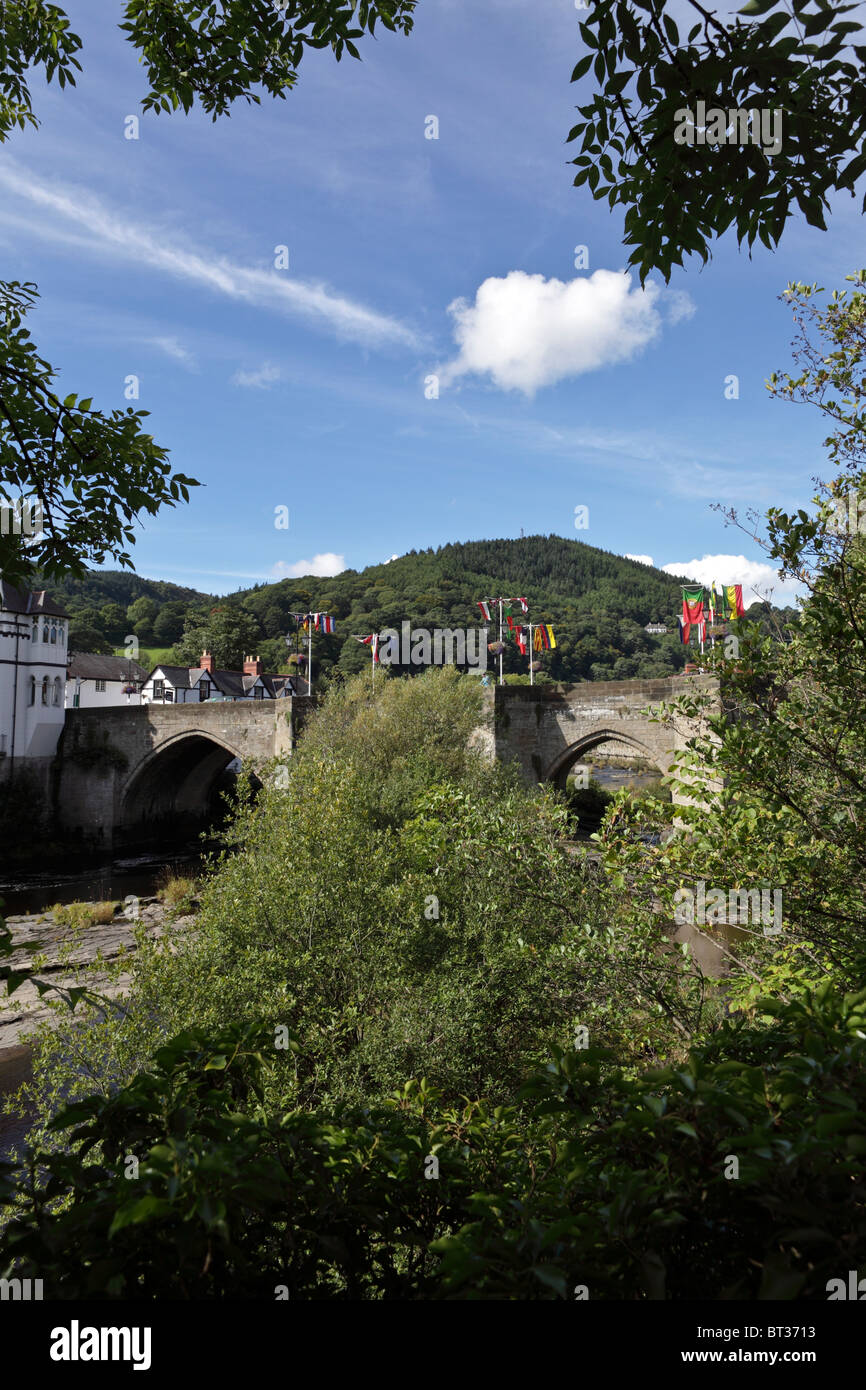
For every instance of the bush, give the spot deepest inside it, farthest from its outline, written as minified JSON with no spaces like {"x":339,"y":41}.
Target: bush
{"x":80,"y":915}
{"x":714,"y":1180}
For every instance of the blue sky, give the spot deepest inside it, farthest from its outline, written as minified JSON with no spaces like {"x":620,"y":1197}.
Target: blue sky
{"x":307,"y":387}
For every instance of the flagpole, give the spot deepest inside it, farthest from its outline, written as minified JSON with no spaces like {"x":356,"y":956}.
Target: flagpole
{"x":310,"y":654}
{"x":531,"y":649}
{"x":501,"y":681}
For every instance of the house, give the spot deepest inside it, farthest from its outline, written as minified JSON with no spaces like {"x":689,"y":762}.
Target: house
{"x":655,"y":628}
{"x":182,"y":685}
{"x":94,"y":681}
{"x":33,"y":638}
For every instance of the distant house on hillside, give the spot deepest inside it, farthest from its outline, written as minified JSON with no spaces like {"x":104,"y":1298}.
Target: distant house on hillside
{"x":33,"y":633}
{"x":183,"y":685}
{"x":94,"y":681}
{"x":657,"y":629}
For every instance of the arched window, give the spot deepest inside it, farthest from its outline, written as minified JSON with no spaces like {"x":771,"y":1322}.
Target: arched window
{"x":35,"y":634}
{"x":44,"y":630}
{"x":31,"y":691}
{"x":57,"y":690}
{"x":61,"y":634}
{"x":53,"y":633}
{"x":45,"y":684}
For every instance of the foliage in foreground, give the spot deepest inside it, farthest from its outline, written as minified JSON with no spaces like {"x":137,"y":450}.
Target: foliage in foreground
{"x":715,"y":1179}
{"x":403,"y":909}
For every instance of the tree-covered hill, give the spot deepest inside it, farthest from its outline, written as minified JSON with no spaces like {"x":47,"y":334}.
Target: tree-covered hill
{"x":597,"y":603}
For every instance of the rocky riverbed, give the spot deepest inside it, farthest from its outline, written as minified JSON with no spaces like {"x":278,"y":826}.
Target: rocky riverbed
{"x":66,"y":952}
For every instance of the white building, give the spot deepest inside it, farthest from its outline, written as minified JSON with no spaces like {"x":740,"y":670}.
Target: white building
{"x":33,"y":637}
{"x":94,"y":681}
{"x":181,"y":685}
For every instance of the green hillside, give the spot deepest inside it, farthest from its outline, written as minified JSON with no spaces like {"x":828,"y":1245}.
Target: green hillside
{"x":597,"y":602}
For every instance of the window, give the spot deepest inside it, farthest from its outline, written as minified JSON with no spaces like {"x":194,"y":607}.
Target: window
{"x":159,"y":690}
{"x":258,"y":693}
{"x":56,"y":690}
{"x":45,"y":684}
{"x":169,"y":697}
{"x":203,"y":691}
{"x":35,"y":634}
{"x":53,"y":632}
{"x":44,"y":631}
{"x":31,"y":691}
{"x":100,"y":687}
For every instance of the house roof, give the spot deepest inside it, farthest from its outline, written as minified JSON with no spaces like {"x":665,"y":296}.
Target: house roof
{"x":35,"y":601}
{"x":235,"y":684}
{"x":178,"y":676}
{"x":88,"y":666}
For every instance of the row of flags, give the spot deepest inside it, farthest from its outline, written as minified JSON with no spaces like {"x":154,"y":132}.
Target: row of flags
{"x":723,"y":603}
{"x":543,"y":639}
{"x":510,"y":607}
{"x":315,"y":622}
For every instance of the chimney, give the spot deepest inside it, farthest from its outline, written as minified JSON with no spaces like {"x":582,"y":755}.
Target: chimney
{"x":206,"y":661}
{"x":252,"y":666}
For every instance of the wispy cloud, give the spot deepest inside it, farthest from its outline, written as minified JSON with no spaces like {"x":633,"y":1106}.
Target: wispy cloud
{"x":172,"y":348}
{"x":132,"y":241}
{"x":264,"y":376}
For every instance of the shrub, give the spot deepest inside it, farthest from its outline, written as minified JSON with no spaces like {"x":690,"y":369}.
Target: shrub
{"x":80,"y":915}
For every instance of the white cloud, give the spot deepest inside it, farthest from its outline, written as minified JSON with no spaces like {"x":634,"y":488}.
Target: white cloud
{"x":641,"y":559}
{"x":526,"y":332}
{"x":759,"y":580}
{"x":263,"y":377}
{"x":679,"y":306}
{"x":172,"y":348}
{"x":321,"y":566}
{"x":133,"y":242}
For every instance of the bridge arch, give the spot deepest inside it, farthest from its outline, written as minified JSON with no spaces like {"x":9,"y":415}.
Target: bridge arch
{"x":558,"y":770}
{"x":174,"y":792}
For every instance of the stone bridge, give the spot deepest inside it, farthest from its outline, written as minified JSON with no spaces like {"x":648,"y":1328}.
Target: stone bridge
{"x":135,"y":774}
{"x":547,"y":729}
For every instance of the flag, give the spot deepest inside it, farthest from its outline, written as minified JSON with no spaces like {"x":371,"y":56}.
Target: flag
{"x":734,"y":596}
{"x":515,"y":605}
{"x":544,"y":639}
{"x":371,"y":641}
{"x":693,"y":603}
{"x":522,"y":637}
{"x":324,"y":622}
{"x":485,"y":609}
{"x":685,"y":629}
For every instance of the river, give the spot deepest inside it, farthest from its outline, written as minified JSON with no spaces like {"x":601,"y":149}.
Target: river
{"x":104,"y":880}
